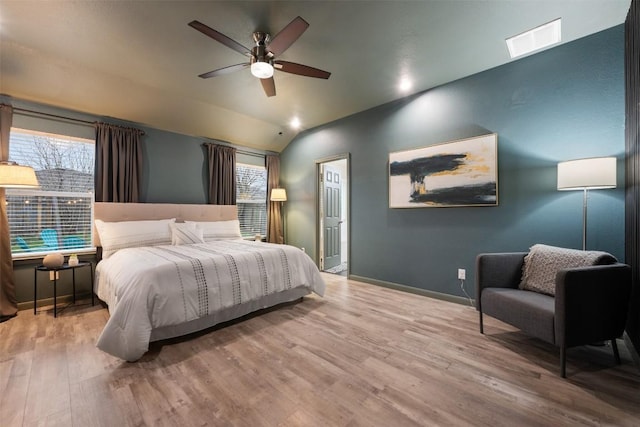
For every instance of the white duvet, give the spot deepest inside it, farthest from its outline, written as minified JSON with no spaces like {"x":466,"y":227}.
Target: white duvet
{"x":155,"y":287}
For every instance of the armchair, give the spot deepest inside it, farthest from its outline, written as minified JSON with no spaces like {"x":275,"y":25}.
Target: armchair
{"x":590,"y":303}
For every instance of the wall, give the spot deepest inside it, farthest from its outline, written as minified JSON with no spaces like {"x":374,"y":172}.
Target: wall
{"x":563,"y":103}
{"x":174,"y":171}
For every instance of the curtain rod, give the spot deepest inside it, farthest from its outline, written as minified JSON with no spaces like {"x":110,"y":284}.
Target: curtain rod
{"x":55,"y":116}
{"x":69,"y":119}
{"x":248,"y":153}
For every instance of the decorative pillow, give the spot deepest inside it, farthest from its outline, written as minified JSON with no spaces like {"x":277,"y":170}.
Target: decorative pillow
{"x":218,"y":230}
{"x":185,"y":234}
{"x":543,"y":262}
{"x":130,"y":234}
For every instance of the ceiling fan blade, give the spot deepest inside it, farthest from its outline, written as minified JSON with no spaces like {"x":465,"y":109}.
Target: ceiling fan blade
{"x":225,"y":70}
{"x":287,"y":36}
{"x":269,"y":86}
{"x":303,"y":70}
{"x":218,"y":36}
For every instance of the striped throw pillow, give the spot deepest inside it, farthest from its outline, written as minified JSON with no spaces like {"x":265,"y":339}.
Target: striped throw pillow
{"x":185,"y":234}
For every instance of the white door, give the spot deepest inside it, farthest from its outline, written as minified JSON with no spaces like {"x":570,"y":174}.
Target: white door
{"x":331,"y":216}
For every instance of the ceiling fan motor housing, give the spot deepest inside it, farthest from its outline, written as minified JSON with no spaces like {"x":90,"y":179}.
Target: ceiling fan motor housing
{"x":260,"y":52}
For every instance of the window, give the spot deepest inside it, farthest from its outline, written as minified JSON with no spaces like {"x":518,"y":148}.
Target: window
{"x":58,"y":215}
{"x":251,"y":198}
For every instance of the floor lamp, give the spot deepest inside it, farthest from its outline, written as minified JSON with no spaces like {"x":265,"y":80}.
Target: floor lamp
{"x":280,"y":195}
{"x":587,"y":174}
{"x":12,"y":175}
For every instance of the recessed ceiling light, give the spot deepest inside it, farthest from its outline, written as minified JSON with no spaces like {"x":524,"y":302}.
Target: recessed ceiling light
{"x":295,"y":123}
{"x":405,"y":84}
{"x":534,"y":39}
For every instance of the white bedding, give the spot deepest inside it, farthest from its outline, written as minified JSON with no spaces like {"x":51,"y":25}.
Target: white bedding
{"x":162,"y":287}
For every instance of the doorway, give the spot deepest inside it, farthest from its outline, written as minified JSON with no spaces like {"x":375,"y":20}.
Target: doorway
{"x":333,"y":214}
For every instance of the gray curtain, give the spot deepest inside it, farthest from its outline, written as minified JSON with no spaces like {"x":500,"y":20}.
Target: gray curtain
{"x":8,"y":302}
{"x":275,"y":230}
{"x":222,"y":174}
{"x":118,"y":163}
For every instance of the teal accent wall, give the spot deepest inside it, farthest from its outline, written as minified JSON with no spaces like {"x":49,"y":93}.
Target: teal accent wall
{"x":563,"y":103}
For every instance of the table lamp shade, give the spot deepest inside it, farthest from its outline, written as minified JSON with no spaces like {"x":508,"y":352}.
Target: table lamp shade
{"x":12,"y":175}
{"x":278,"y":195}
{"x":591,"y":174}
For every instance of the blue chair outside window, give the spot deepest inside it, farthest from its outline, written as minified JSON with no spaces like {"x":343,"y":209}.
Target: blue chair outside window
{"x":50,"y":238}
{"x":72,"y":242}
{"x":27,"y":248}
{"x":23,"y":244}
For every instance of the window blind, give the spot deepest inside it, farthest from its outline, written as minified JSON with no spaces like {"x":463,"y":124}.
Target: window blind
{"x":251,"y":199}
{"x":59,"y":215}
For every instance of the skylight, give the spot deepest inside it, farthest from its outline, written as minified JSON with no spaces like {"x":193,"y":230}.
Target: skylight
{"x":534,"y":39}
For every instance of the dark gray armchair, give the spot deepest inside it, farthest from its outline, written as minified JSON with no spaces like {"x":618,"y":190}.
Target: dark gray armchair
{"x":590,"y":304}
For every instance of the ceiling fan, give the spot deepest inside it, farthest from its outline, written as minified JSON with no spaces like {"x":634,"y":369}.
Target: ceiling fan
{"x":262,"y":57}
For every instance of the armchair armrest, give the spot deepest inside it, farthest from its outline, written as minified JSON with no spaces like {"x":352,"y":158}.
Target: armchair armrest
{"x":591,"y":303}
{"x":498,"y":270}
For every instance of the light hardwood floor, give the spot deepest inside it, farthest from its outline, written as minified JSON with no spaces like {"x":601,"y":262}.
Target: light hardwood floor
{"x":361,"y":356}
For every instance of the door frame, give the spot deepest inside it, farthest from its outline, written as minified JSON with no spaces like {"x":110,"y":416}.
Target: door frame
{"x":319,"y":248}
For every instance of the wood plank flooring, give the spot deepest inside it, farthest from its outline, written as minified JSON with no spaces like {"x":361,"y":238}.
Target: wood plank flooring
{"x":361,"y":356}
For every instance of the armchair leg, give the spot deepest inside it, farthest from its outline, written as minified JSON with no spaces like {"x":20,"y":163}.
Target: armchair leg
{"x":481,"y":324}
{"x":616,"y":354}
{"x":563,"y":362}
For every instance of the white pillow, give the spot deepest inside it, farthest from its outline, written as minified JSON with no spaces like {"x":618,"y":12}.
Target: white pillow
{"x":185,"y":234}
{"x":218,"y":230}
{"x":130,"y":234}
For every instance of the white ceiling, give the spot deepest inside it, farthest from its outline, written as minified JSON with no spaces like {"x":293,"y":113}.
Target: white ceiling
{"x":139,"y":60}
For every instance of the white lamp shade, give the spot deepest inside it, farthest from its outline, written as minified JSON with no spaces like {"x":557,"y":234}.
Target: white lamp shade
{"x":278,"y":195}
{"x":591,"y":174}
{"x":12,"y":175}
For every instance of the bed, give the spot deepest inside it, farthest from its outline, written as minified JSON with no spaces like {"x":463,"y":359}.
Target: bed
{"x":167,"y":270}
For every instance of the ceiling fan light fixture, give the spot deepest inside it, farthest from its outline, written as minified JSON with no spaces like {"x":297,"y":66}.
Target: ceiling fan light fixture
{"x":262,"y":70}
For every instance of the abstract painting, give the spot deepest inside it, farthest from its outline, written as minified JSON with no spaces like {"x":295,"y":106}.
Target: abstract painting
{"x":457,"y":173}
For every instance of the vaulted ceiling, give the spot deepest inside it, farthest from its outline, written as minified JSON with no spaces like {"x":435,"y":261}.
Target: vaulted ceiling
{"x":140,"y":61}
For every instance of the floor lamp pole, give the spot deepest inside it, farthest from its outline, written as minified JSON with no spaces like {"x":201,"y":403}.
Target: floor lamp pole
{"x":584,"y":220}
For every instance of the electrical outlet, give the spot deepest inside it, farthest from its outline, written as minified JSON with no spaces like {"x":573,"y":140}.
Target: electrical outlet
{"x":462,"y":274}
{"x":57,"y":275}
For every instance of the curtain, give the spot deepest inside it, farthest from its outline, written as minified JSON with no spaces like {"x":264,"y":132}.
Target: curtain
{"x":118,"y":163}
{"x":632,"y":137}
{"x":275,"y":230}
{"x":8,"y":301}
{"x":222,"y":174}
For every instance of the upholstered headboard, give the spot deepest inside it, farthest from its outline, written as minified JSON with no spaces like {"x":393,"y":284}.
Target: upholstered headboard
{"x":108,"y":211}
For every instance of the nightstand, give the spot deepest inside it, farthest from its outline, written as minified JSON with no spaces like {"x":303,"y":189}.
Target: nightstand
{"x":63,"y":267}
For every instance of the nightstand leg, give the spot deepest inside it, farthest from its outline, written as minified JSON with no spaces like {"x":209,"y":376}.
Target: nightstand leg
{"x":55,"y":288}
{"x":74,"y":284}
{"x":91,"y":270}
{"x":35,"y":290}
